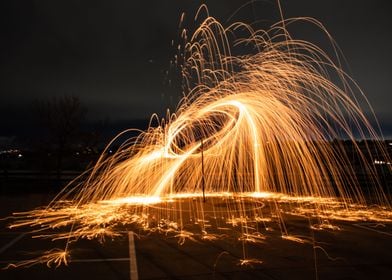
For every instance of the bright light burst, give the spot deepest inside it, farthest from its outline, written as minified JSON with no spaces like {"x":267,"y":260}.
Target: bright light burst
{"x":252,"y":136}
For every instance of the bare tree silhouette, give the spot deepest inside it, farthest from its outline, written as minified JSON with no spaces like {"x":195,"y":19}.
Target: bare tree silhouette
{"x":61,"y":117}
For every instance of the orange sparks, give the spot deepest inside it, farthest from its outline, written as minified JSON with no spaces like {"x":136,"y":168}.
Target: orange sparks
{"x":252,"y":136}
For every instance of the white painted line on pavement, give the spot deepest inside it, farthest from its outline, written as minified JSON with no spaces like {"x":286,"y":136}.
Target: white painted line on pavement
{"x":99,"y":260}
{"x":132,"y":257}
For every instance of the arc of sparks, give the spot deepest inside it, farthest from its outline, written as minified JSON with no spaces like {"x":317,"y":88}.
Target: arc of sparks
{"x":251,"y":126}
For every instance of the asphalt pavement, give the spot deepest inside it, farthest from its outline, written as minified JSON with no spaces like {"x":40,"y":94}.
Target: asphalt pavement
{"x":356,"y":251}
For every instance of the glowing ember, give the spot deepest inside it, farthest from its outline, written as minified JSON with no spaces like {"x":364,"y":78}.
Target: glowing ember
{"x":252,"y":136}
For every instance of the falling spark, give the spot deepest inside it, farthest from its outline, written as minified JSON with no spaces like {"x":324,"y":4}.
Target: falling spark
{"x":54,"y":257}
{"x":249,"y":143}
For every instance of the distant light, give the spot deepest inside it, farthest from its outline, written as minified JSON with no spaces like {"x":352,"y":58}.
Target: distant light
{"x":20,"y":155}
{"x":381,"y":162}
{"x":10,"y":151}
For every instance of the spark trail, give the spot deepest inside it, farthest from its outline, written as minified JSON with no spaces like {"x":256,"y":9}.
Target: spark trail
{"x":254,"y":129}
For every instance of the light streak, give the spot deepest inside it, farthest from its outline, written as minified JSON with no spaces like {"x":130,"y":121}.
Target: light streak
{"x":266,"y":120}
{"x":293,"y":238}
{"x":54,"y":257}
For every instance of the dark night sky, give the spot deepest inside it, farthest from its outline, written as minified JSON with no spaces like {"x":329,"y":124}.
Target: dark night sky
{"x":113,"y":54}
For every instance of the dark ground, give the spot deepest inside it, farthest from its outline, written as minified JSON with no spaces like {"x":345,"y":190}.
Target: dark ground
{"x":356,"y":251}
